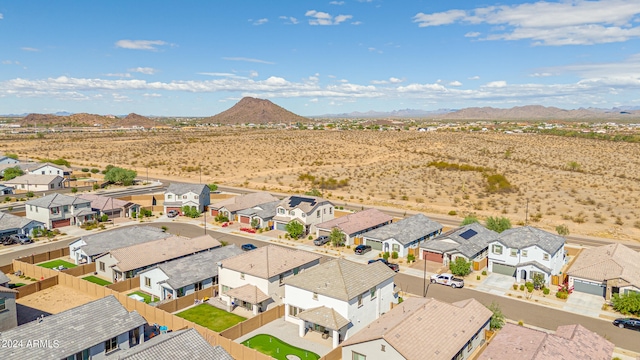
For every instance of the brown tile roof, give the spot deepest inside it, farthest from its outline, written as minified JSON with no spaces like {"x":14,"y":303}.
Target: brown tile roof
{"x":324,"y":316}
{"x":449,"y":327}
{"x":246,"y":201}
{"x":357,"y":222}
{"x":7,"y":290}
{"x":249,"y":293}
{"x":104,"y":202}
{"x":157,"y":251}
{"x":607,"y":262}
{"x":341,"y":279}
{"x":569,"y":342}
{"x":269,"y":261}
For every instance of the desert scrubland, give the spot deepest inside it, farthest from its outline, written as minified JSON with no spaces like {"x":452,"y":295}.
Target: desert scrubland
{"x":591,"y":186}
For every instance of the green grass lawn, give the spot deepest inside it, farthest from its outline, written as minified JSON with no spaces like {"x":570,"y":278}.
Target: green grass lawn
{"x":96,"y":280}
{"x":277,"y":348}
{"x":211,"y":317}
{"x":147,"y":298}
{"x":55,"y":263}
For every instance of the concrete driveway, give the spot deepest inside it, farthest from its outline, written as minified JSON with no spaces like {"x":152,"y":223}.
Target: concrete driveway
{"x":584,"y":304}
{"x":496,"y":284}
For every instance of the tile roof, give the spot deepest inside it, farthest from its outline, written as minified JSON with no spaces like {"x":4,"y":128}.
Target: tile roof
{"x":449,"y":327}
{"x":10,"y":221}
{"x":34,"y":179}
{"x":61,"y":167}
{"x":341,"y":279}
{"x":246,"y":201}
{"x":249,"y":293}
{"x":268,"y":261}
{"x":104,"y":202}
{"x":7,"y":291}
{"x":74,"y":330}
{"x":157,"y":251}
{"x":522,"y":237}
{"x":356,"y":222}
{"x":264,"y":211}
{"x":406,"y":230}
{"x":182,"y":344}
{"x":305,"y":203}
{"x":103,"y":242}
{"x":607,"y":262}
{"x":324,"y":316}
{"x":476,"y":238}
{"x":53,"y":200}
{"x":183,"y":188}
{"x":197,"y":267}
{"x":569,"y":342}
{"x":4,"y":278}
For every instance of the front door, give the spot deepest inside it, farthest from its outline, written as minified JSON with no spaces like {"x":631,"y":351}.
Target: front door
{"x":523,"y":275}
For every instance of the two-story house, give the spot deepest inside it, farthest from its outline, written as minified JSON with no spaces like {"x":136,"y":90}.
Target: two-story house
{"x":51,"y":169}
{"x":192,"y":195}
{"x":526,"y":251}
{"x":470,"y":242}
{"x":57,"y":210}
{"x":307,"y":210}
{"x":353,"y":226}
{"x":36,"y":183}
{"x":404,"y":236}
{"x":231,"y":206}
{"x":255,"y":280}
{"x":339,"y":298}
{"x":113,"y":208}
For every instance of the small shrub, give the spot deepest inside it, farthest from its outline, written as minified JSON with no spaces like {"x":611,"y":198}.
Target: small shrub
{"x":520,"y":323}
{"x":394,"y":255}
{"x":164,"y":228}
{"x":85,"y":170}
{"x":96,"y":186}
{"x":521,"y":287}
{"x":562,"y":294}
{"x":385,"y":255}
{"x":484,"y":272}
{"x":310,"y":237}
{"x":605,"y":307}
{"x":411,"y":257}
{"x":95,"y":171}
{"x":545,"y":291}
{"x":400,"y":299}
{"x":30,"y":194}
{"x":478,"y":277}
{"x":515,"y":286}
{"x":453,"y":213}
{"x":74,"y":190}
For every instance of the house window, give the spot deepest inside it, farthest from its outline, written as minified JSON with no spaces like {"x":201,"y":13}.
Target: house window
{"x":147,"y":282}
{"x":524,"y":253}
{"x":111,"y":345}
{"x":318,"y":213}
{"x":198,"y":286}
{"x":51,"y":186}
{"x":382,"y":348}
{"x":225,"y":288}
{"x":372,"y":292}
{"x":315,"y":296}
{"x":31,"y":207}
{"x":55,"y":211}
{"x":281,"y":279}
{"x":324,"y":211}
{"x":292,"y":213}
{"x":82,"y":355}
{"x":2,"y":305}
{"x":304,"y":215}
{"x":357,"y":356}
{"x":396,"y":247}
{"x":65,"y":208}
{"x":242,"y":276}
{"x":169,"y":196}
{"x":214,"y":280}
{"x":294,"y":311}
{"x":514,"y":252}
{"x":281,"y":211}
{"x":134,"y":337}
{"x":470,"y":346}
{"x":184,"y":197}
{"x":545,"y":257}
{"x":497,"y":249}
{"x":359,"y":300}
{"x":102,"y":267}
{"x":330,"y":210}
{"x":181,"y":292}
{"x":195,"y":197}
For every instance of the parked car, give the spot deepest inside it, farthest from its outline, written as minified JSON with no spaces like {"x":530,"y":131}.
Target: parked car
{"x":21,"y":239}
{"x":7,"y":240}
{"x":627,"y":323}
{"x":361,"y":249}
{"x":392,"y":266}
{"x":447,"y":279}
{"x":172,"y":213}
{"x":248,"y":247}
{"x":321,"y":240}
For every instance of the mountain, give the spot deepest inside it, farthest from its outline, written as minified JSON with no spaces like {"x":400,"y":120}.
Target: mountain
{"x":404,"y":113}
{"x":84,"y":119}
{"x":254,"y":111}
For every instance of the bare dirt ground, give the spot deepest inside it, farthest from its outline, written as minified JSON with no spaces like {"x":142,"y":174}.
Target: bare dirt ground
{"x":598,"y":196}
{"x":55,"y":299}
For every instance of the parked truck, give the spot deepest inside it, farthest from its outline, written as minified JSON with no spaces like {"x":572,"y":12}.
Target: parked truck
{"x":447,"y":279}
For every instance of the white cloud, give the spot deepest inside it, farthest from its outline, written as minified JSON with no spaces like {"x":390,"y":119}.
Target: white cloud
{"x":476,"y":77}
{"x":314,"y":100}
{"x":144,"y":70}
{"x":152,"y":95}
{"x":437,"y":19}
{"x":496,"y":84}
{"x":472,"y":34}
{"x":394,"y":80}
{"x":29,"y":49}
{"x":336,"y":2}
{"x":543,"y":74}
{"x":1,"y":16}
{"x":140,"y":44}
{"x":356,"y":23}
{"x":289,"y":19}
{"x":253,"y":74}
{"x":123,"y":75}
{"x":248,"y":60}
{"x":219,"y":74}
{"x":261,"y":21}
{"x":323,"y":18}
{"x":455,"y":83}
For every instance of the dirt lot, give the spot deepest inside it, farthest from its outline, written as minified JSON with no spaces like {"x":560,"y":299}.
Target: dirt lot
{"x":598,"y":195}
{"x":55,"y":299}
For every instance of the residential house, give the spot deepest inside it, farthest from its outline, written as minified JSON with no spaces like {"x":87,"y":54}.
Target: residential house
{"x":470,"y":242}
{"x":230,"y":207}
{"x":255,"y":280}
{"x":262,"y":213}
{"x":569,"y":342}
{"x":57,"y":210}
{"x":606,"y":270}
{"x":404,"y":236}
{"x":5,"y":160}
{"x":184,"y":276}
{"x":339,"y":298}
{"x":51,"y":169}
{"x":113,"y":208}
{"x":100,"y":329}
{"x":88,"y":247}
{"x":307,"y":210}
{"x":178,"y":195}
{"x":421,"y":328}
{"x":35,"y":183}
{"x":6,"y":190}
{"x":353,"y":226}
{"x":11,"y":224}
{"x":4,"y":280}
{"x":8,"y":311}
{"x":525,"y":252}
{"x":127,"y":262}
{"x":181,"y":344}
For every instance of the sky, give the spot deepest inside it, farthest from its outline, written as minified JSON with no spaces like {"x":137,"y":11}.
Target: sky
{"x":198,"y":58}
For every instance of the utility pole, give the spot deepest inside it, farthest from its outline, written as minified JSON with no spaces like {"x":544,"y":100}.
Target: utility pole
{"x":424,"y":279}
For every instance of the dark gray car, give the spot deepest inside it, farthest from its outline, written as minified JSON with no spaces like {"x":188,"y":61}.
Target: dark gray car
{"x":321,"y":240}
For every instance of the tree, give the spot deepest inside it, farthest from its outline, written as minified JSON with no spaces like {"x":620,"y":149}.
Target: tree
{"x":336,"y":237}
{"x":190,"y":211}
{"x":12,"y":173}
{"x":497,"y":319}
{"x":213,"y":187}
{"x":627,"y":304}
{"x":469,"y":219}
{"x":562,"y":230}
{"x":460,"y":267}
{"x":313,"y":192}
{"x":538,"y":281}
{"x":117,"y":175}
{"x":255,"y":223}
{"x":498,"y":224}
{"x":295,"y":229}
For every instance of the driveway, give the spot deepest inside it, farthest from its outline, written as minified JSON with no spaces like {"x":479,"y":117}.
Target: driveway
{"x":584,"y":304}
{"x":496,"y":284}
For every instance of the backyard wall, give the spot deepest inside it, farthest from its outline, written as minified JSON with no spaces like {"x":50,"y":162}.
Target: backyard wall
{"x":49,"y":255}
{"x":6,"y":269}
{"x":81,"y":269}
{"x":122,"y":286}
{"x":187,"y":300}
{"x":253,"y":323}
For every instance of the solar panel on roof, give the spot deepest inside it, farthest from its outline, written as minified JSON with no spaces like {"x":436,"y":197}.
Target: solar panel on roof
{"x":296,"y":200}
{"x":468,"y":234}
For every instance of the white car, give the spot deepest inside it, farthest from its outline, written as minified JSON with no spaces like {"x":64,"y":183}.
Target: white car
{"x":447,"y":279}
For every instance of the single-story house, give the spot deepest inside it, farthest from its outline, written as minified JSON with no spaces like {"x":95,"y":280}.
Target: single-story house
{"x":51,"y":169}
{"x":127,"y":262}
{"x":307,"y":210}
{"x":264,"y":214}
{"x":404,"y":236}
{"x":11,"y":224}
{"x":568,"y":342}
{"x":113,"y":208}
{"x":57,"y":210}
{"x":255,"y":280}
{"x":353,"y":226}
{"x":606,"y":270}
{"x":469,"y":242}
{"x":178,"y":195}
{"x":339,"y":298}
{"x":24,"y":166}
{"x":4,"y":279}
{"x":79,"y":333}
{"x":229,"y":207}
{"x":8,"y":160}
{"x":180,"y":277}
{"x":35,"y":183}
{"x":421,"y":328}
{"x":8,"y":311}
{"x":6,"y":190}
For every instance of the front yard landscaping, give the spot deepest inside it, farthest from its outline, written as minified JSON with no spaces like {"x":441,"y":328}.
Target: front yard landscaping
{"x":56,"y":263}
{"x":96,"y":280}
{"x":147,"y":297}
{"x":277,"y":348}
{"x":211,"y":317}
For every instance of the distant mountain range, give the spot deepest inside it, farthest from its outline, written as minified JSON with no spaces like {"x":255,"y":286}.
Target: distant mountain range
{"x":254,"y":111}
{"x":84,"y":119}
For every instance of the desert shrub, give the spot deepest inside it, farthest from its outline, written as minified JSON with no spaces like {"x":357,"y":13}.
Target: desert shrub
{"x":394,"y":255}
{"x":294,"y":229}
{"x":189,"y":211}
{"x":117,"y":175}
{"x":469,"y":219}
{"x":498,"y":183}
{"x":497,"y":318}
{"x":85,"y":170}
{"x":628,"y":304}
{"x":96,"y":186}
{"x":221,"y":218}
{"x":411,"y":257}
{"x":562,"y":230}
{"x":30,"y":194}
{"x":521,"y":287}
{"x":498,"y":224}
{"x":545,"y":291}
{"x":95,"y":171}
{"x":453,"y":213}
{"x":460,"y":267}
{"x":385,"y":255}
{"x":74,"y":190}
{"x":213,"y":187}
{"x":103,"y":218}
{"x":515,"y":286}
{"x":562,"y":294}
{"x":484,"y":272}
{"x":478,"y":277}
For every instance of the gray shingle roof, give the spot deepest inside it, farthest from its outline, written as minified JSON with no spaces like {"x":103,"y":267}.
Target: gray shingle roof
{"x":268,"y":261}
{"x":341,"y":279}
{"x":472,"y":245}
{"x":406,"y":230}
{"x":10,"y":222}
{"x":74,"y":330}
{"x":522,"y":237}
{"x":35,"y":179}
{"x":4,"y":278}
{"x":192,"y":269}
{"x":183,"y":188}
{"x":264,"y":211}
{"x":119,"y":238}
{"x":53,"y":200}
{"x":183,"y":344}
{"x":305,"y":203}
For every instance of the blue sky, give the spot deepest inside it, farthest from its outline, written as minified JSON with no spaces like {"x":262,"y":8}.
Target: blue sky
{"x":198,"y":58}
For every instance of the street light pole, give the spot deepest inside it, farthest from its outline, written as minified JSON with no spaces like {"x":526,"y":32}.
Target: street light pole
{"x":424,"y":279}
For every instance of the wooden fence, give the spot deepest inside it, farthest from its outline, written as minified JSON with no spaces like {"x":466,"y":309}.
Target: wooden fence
{"x":6,"y":269}
{"x":253,"y":323}
{"x":126,"y":285}
{"x":49,"y":255}
{"x":36,"y":286}
{"x":81,"y":270}
{"x":188,"y":300}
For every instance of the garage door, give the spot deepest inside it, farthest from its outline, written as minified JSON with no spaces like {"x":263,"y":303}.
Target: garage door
{"x":431,"y":256}
{"x":60,"y":223}
{"x":245,"y":219}
{"x":281,"y":226}
{"x":589,"y":287}
{"x":179,"y":210}
{"x":504,"y":269}
{"x":375,"y":245}
{"x":324,"y":232}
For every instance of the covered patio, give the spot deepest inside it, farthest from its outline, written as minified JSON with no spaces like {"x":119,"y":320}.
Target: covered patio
{"x":324,"y":322}
{"x":248,"y":297}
